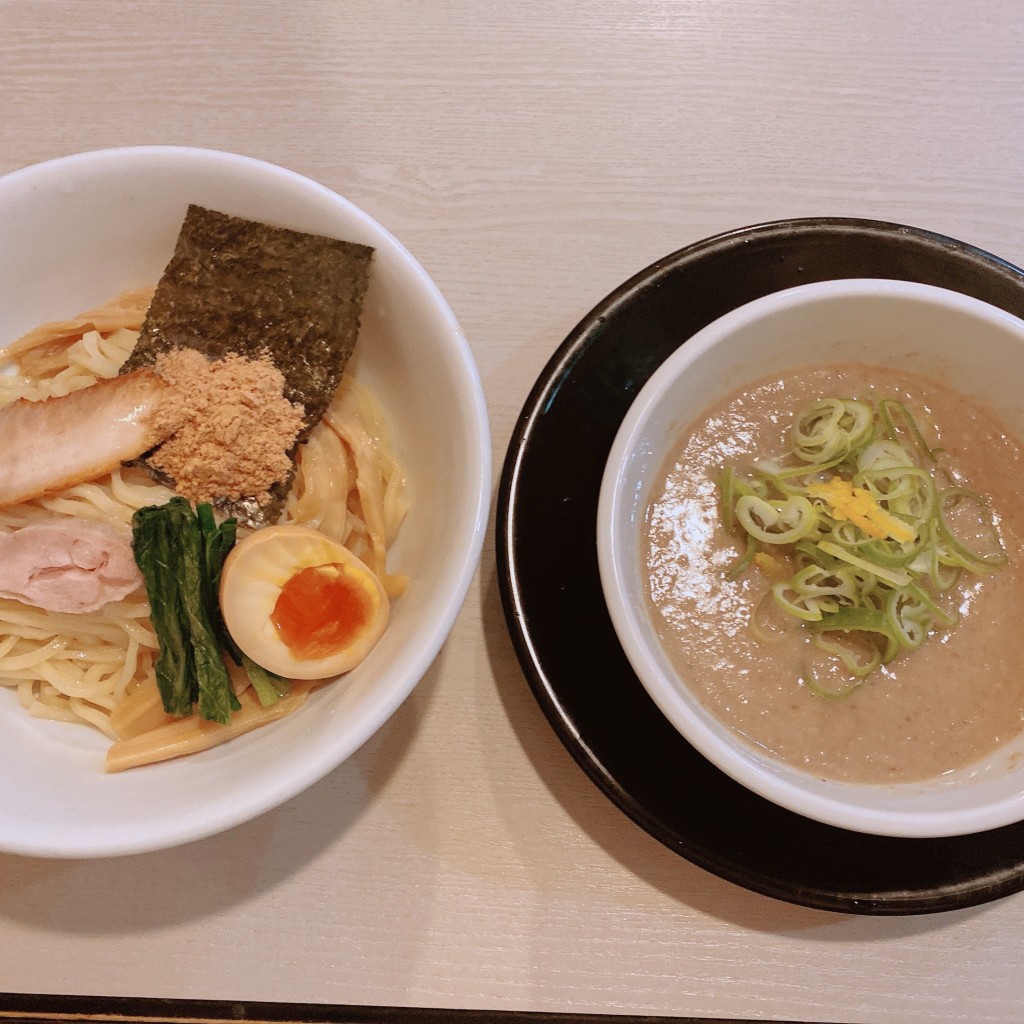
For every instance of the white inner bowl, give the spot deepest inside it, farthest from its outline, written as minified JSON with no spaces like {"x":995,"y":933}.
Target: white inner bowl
{"x":974,"y":347}
{"x":81,"y":229}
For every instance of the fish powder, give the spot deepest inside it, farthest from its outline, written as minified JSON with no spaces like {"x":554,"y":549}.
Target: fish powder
{"x":234,"y":429}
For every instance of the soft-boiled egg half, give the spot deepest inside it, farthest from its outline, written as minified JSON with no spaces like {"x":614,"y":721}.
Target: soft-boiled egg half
{"x":300,"y":604}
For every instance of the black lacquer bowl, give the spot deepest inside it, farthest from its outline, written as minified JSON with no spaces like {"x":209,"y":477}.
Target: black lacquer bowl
{"x":547,"y":555}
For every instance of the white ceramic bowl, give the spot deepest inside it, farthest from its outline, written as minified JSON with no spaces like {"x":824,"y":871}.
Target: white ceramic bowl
{"x":78,"y":230}
{"x":975,"y":347}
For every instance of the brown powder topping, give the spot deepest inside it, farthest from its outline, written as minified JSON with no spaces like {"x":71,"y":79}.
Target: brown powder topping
{"x":234,"y":430}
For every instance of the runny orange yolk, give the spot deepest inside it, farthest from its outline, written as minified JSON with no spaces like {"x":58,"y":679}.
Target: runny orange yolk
{"x":321,"y":610}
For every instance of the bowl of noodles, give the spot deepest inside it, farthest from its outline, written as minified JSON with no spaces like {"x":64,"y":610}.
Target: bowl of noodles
{"x":103,"y":768}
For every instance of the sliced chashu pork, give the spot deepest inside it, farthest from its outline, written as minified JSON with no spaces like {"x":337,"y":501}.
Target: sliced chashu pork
{"x":56,"y":443}
{"x":67,"y":565}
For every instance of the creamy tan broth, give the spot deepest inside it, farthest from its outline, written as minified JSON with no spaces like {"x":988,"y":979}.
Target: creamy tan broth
{"x":929,"y":712}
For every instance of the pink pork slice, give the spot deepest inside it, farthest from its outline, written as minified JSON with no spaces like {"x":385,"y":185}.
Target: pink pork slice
{"x":58,"y":442}
{"x":67,"y":565}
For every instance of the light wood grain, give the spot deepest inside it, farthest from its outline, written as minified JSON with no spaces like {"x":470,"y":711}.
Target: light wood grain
{"x":532,"y":156}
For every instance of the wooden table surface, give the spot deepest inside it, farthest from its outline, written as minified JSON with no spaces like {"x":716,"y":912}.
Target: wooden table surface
{"x":532,"y":155}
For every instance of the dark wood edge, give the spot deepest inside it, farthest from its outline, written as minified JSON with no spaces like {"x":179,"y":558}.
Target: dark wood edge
{"x":16,"y":1008}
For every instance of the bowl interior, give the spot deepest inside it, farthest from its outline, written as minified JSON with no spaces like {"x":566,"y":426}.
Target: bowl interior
{"x":76,"y":232}
{"x":931,"y":332}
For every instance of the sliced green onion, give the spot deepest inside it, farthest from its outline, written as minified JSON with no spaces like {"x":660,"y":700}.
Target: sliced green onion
{"x":907,"y":492}
{"x":957,"y":551}
{"x":818,"y":690}
{"x":731,"y":487}
{"x":727,"y":493}
{"x":943,"y":575}
{"x":870,"y":550}
{"x":768,"y":622}
{"x":862,"y":623}
{"x":776,"y":522}
{"x":883,"y":454}
{"x":829,"y":431}
{"x":891,"y":554}
{"x":894,"y":577}
{"x":929,"y":606}
{"x":895,"y":414}
{"x":743,"y":562}
{"x":815,"y":591}
{"x":908,"y":617}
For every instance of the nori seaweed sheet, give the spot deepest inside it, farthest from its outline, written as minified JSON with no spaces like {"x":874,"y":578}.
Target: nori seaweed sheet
{"x":239,"y":286}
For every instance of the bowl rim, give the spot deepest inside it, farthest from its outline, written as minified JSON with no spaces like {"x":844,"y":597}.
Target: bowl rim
{"x":459,"y":574}
{"x":740,"y":761}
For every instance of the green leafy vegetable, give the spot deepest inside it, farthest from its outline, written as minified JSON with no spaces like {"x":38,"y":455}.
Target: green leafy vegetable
{"x":268,"y":686}
{"x":153,"y":545}
{"x":216,"y":698}
{"x":180,"y":554}
{"x":217,"y":542}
